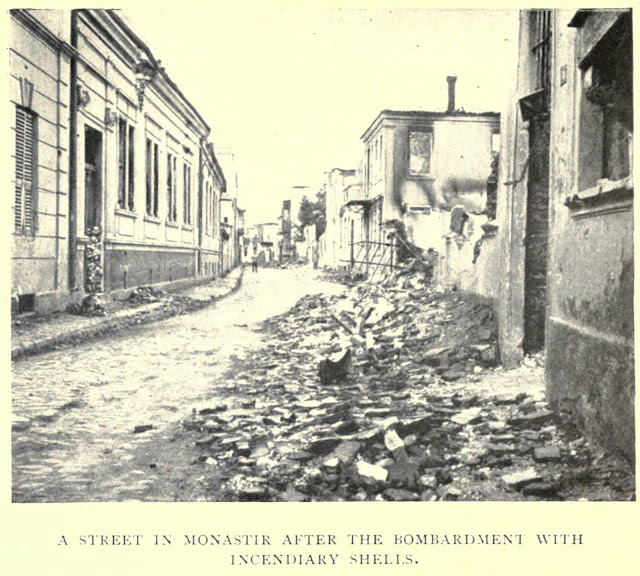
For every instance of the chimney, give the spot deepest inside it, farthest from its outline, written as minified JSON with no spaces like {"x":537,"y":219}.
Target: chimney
{"x":451,"y":80}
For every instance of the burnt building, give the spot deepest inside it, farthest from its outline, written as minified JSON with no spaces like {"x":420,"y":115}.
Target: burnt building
{"x":419,"y":165}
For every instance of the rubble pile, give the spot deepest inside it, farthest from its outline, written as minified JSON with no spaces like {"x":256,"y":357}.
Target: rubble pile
{"x":93,"y":261}
{"x":93,"y":305}
{"x":397,"y":420}
{"x":145,"y":295}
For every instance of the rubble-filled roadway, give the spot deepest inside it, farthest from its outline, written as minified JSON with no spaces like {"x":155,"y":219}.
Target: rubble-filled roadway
{"x":219,"y":405}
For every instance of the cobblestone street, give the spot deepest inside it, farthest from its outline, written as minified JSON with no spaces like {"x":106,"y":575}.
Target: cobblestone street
{"x":228,"y":403}
{"x":75,"y":410}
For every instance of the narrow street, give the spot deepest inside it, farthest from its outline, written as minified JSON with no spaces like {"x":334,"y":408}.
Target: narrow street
{"x":81,"y":405}
{"x":226,"y":404}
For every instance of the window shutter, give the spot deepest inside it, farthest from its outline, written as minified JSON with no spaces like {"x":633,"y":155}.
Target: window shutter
{"x":24,"y":216}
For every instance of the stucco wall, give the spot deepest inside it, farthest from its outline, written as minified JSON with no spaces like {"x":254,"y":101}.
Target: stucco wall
{"x":457,"y":266}
{"x":39,"y":259}
{"x":461,"y":160}
{"x":590,"y":328}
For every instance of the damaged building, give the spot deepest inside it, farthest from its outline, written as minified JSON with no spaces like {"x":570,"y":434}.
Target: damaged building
{"x":565,"y":215}
{"x":422,"y":170}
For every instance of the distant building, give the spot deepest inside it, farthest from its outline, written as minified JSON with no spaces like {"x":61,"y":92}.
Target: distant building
{"x":287,"y":246}
{"x":232,"y":219}
{"x":336,"y":183}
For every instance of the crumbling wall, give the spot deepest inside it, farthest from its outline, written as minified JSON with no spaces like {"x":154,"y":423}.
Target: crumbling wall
{"x":471,"y":259}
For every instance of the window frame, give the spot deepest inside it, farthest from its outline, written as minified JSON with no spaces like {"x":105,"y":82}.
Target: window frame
{"x":421,"y":130}
{"x":21,"y":226}
{"x":126,"y":165}
{"x":187,"y":191}
{"x":594,"y":191}
{"x":172,"y":185}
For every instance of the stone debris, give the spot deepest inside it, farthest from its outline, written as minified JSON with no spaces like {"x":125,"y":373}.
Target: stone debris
{"x":377,"y":394}
{"x":370,"y":471}
{"x":521,"y":478}
{"x":467,"y":416}
{"x":145,"y":295}
{"x":19,"y":424}
{"x":546,"y":453}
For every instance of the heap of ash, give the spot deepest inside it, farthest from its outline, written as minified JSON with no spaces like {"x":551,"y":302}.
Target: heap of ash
{"x":390,"y":393}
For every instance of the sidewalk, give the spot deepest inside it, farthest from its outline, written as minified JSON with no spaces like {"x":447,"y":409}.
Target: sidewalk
{"x":37,"y":334}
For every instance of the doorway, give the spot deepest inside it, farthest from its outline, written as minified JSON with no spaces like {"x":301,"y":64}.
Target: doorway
{"x":537,"y":234}
{"x":92,"y":178}
{"x":93,"y":252}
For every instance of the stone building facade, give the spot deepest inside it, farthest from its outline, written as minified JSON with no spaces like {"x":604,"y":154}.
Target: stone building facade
{"x":114,"y":177}
{"x":40,"y":62}
{"x":135,"y":185}
{"x":565,"y":215}
{"x":213,"y":187}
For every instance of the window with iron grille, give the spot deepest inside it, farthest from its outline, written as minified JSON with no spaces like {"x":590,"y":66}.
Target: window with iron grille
{"x":125,"y":165}
{"x":25,"y":176}
{"x":541,"y":47}
{"x":214,"y":212}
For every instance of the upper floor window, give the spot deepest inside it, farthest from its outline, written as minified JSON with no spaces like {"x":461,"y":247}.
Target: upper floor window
{"x":606,"y":109}
{"x":26,"y":170}
{"x":125,"y":165}
{"x":541,"y":48}
{"x":420,"y":151}
{"x":495,"y":144}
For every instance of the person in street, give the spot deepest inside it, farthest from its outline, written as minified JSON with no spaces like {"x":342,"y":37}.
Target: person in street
{"x":254,"y":263}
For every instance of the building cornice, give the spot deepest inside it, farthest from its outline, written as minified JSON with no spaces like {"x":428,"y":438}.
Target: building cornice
{"x":129,"y":46}
{"x":389,"y":117}
{"x":34,"y":25}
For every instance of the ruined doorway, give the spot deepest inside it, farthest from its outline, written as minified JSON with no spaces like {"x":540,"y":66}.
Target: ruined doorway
{"x":93,"y":257}
{"x":537,"y":234}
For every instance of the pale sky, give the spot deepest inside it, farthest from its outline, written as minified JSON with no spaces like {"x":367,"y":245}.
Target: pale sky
{"x":292,"y":90}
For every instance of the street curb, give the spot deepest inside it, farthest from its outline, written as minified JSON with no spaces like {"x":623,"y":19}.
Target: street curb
{"x":117,"y":324}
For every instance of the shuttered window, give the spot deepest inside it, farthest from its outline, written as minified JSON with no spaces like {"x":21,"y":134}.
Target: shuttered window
{"x":25,"y":177}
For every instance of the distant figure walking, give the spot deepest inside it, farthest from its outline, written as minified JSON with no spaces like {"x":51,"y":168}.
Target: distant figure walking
{"x":254,"y":264}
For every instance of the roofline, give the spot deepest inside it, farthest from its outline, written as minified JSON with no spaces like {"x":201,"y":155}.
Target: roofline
{"x":423,"y":115}
{"x":114,"y":15}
